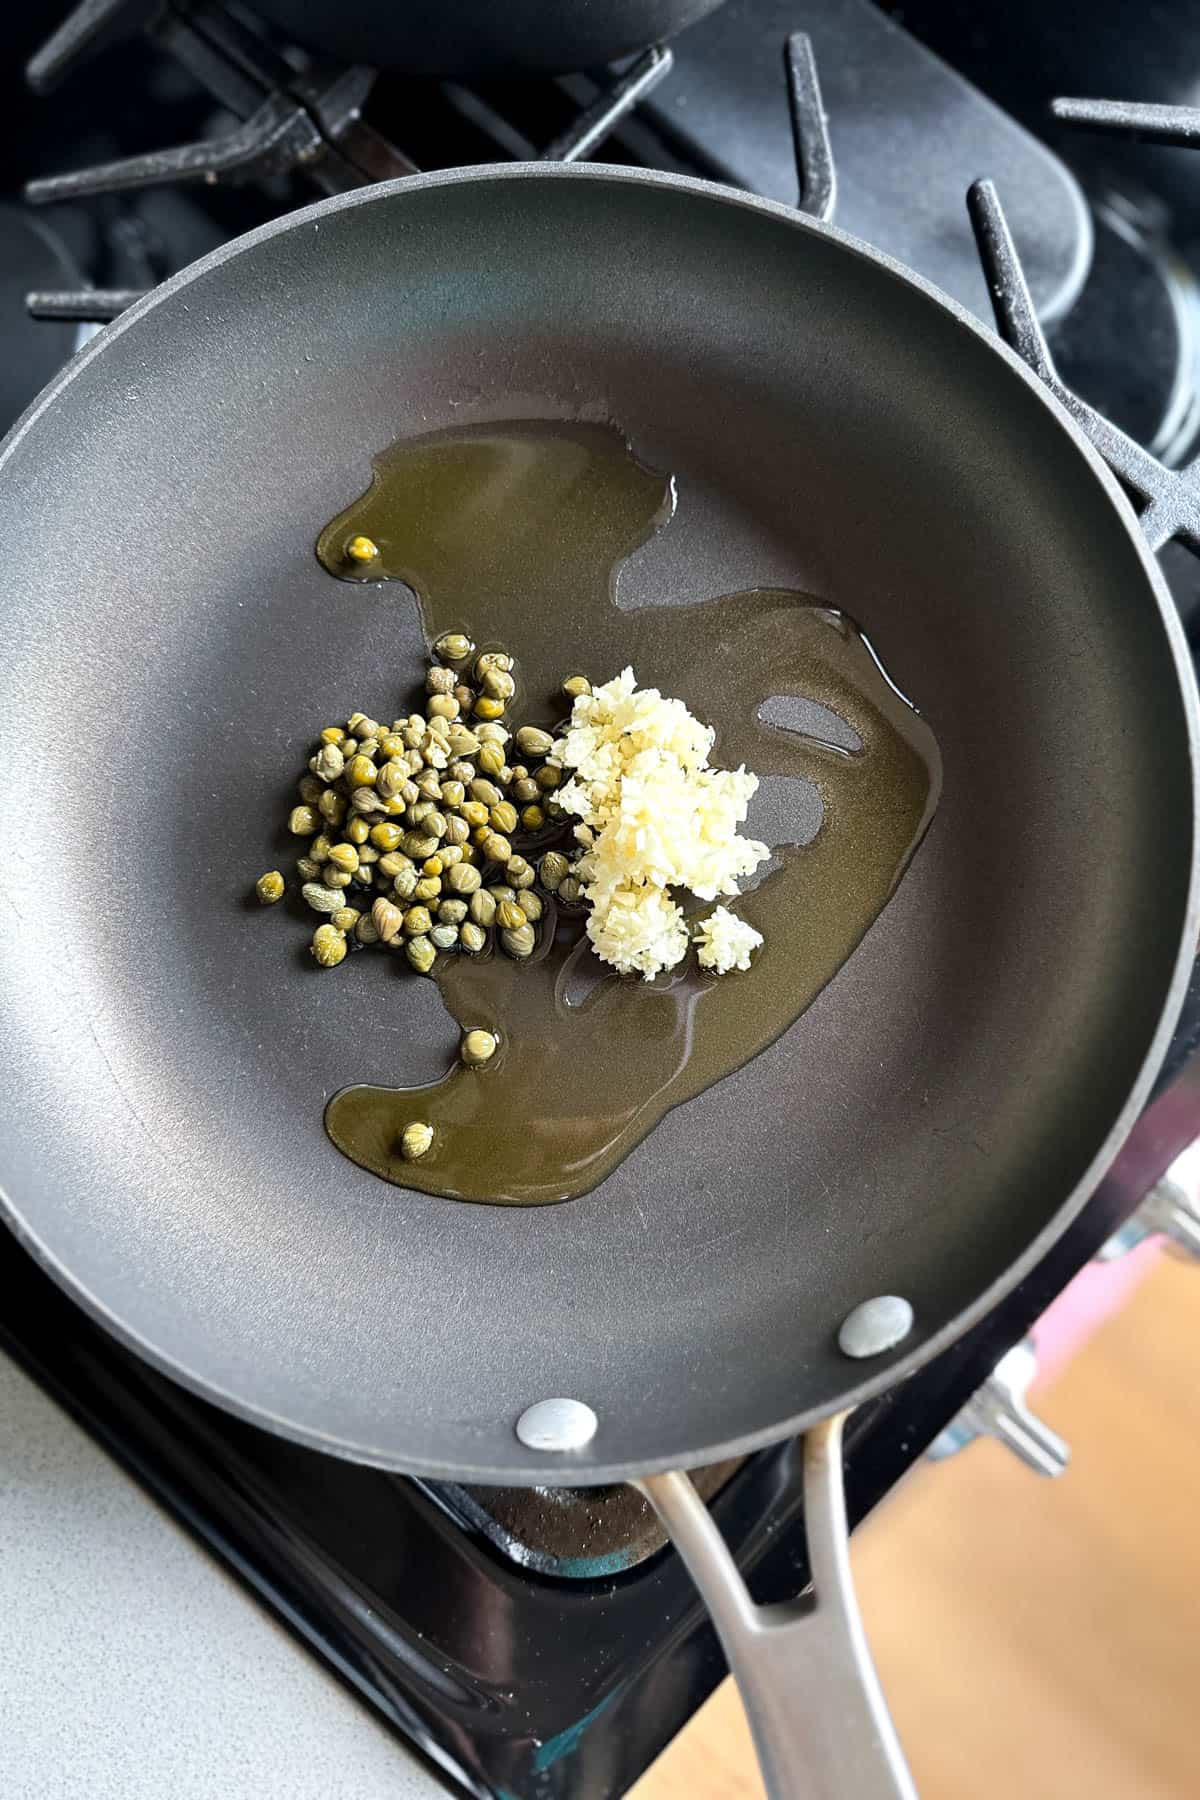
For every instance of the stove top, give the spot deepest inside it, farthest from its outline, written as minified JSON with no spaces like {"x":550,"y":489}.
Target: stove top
{"x":536,"y":1643}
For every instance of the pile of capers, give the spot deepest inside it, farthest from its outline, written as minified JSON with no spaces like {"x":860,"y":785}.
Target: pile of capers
{"x":415,"y":829}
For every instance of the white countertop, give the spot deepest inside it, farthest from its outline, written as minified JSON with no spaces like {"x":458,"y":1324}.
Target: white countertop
{"x":132,"y":1667}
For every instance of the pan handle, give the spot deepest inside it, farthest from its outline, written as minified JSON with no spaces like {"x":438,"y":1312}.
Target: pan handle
{"x":819,"y":1719}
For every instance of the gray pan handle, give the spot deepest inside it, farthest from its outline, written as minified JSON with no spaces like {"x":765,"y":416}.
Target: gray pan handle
{"x":820,"y":1722}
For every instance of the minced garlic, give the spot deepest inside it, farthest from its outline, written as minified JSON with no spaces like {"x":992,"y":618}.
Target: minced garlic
{"x":724,"y":941}
{"x":654,"y":816}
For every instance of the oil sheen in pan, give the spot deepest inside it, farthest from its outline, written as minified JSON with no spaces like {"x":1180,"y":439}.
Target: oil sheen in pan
{"x":515,"y":534}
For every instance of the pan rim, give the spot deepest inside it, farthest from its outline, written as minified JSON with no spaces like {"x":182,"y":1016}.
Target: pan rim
{"x":894,"y":1369}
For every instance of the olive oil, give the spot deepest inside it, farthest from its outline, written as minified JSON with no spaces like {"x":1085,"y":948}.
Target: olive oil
{"x":515,"y":534}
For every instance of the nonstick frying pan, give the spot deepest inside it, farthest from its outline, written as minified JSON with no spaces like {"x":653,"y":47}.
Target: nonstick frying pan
{"x":926,"y":1128}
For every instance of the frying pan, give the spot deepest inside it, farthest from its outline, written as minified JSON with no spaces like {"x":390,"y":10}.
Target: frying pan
{"x":923,"y":1131}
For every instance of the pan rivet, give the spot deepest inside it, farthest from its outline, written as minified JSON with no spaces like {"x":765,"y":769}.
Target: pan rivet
{"x":557,"y":1425}
{"x":875,"y":1326}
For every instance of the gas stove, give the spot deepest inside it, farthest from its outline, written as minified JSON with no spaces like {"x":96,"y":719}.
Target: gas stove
{"x":542,"y":1642}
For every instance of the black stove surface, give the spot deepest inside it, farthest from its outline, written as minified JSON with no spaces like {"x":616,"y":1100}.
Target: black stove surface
{"x":543,"y":1644}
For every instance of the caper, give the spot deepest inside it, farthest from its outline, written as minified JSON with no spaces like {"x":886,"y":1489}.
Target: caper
{"x":452,"y":912}
{"x":487,"y":708}
{"x":465,"y":696}
{"x":521,"y":942}
{"x":433,"y":865}
{"x":417,"y":921}
{"x":332,"y":807}
{"x":386,"y":835}
{"x":404,"y":882}
{"x":575,"y":686}
{"x":361,"y":772}
{"x":269,"y":887}
{"x":365,"y":800}
{"x":453,"y":793}
{"x":509,"y":915}
{"x":391,"y":744}
{"x":427,"y":889}
{"x":328,"y":946}
{"x":443,"y":706}
{"x":440,"y":681}
{"x":428,"y":785}
{"x":328,"y":763}
{"x":500,"y":890}
{"x":457,"y":830}
{"x":531,"y":905}
{"x":491,"y":733}
{"x":496,"y":848}
{"x":310,"y":789}
{"x":486,"y":792}
{"x":490,"y":759}
{"x":482,"y":908}
{"x":478,"y":1047}
{"x":450,"y":853}
{"x":363,"y":726}
{"x":519,"y":872}
{"x":391,"y":779}
{"x":302,"y":821}
{"x":418,"y":845}
{"x":345,"y":918}
{"x":444,"y":937}
{"x":307,"y":868}
{"x":421,"y":954}
{"x":525,"y":790}
{"x":532,"y":818}
{"x":570,"y":890}
{"x":367,"y":853}
{"x":533,"y":741}
{"x":551,"y":870}
{"x":453,"y":646}
{"x":321,"y":898}
{"x":503,"y":817}
{"x":492,"y":659}
{"x":366,"y":930}
{"x":413,"y":732}
{"x":548,"y":778}
{"x":497,"y":684}
{"x":357,"y":830}
{"x":462,"y":741}
{"x":332,"y":734}
{"x":392,"y":863}
{"x":344,"y":856}
{"x":461,"y":878}
{"x":320,"y":847}
{"x":415,"y":1140}
{"x":472,"y":938}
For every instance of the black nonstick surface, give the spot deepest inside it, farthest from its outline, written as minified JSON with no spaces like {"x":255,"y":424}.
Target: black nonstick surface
{"x":169,"y":639}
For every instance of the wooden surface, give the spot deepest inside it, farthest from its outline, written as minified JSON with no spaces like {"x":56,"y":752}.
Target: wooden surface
{"x":1037,"y":1640}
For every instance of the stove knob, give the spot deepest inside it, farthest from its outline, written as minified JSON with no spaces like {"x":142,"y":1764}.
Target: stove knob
{"x":998,"y":1410}
{"x":1171,"y":1209}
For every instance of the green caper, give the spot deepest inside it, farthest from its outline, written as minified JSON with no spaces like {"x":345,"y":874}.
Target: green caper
{"x":421,"y":954}
{"x":482,"y":908}
{"x":450,"y":853}
{"x":444,"y":937}
{"x":575,"y":686}
{"x":307,"y":868}
{"x":334,"y":877}
{"x":509,"y":915}
{"x":461,"y":878}
{"x":486,"y":708}
{"x":428,"y":888}
{"x":366,"y":800}
{"x":435,"y":825}
{"x":328,"y":763}
{"x":503,"y":817}
{"x":500,"y":890}
{"x":457,"y":830}
{"x":491,"y":733}
{"x":478,"y":1047}
{"x":417,"y":921}
{"x":531,"y":905}
{"x":465,"y":696}
{"x":551,"y":870}
{"x":322,"y":899}
{"x":415,"y":1140}
{"x":391,"y":745}
{"x":473,"y":938}
{"x":452,"y":912}
{"x":452,"y":794}
{"x":532,"y":818}
{"x":496,"y":848}
{"x":519,"y":872}
{"x":442,"y":706}
{"x":393,"y":862}
{"x":365,"y":930}
{"x":357,"y":830}
{"x":485,"y":793}
{"x":525,"y":790}
{"x":519,"y":943}
{"x":440,"y":681}
{"x":462,"y":741}
{"x":404,"y":882}
{"x":490,"y":759}
{"x":532,"y":741}
{"x":269,"y":887}
{"x":492,"y":659}
{"x":310,"y":789}
{"x":474,"y":812}
{"x":428,"y":784}
{"x":344,"y":856}
{"x":418,"y":845}
{"x":570,"y":891}
{"x":548,"y":778}
{"x":328,"y":946}
{"x":302,"y":821}
{"x":391,"y":779}
{"x":333,"y":806}
{"x":367,"y":854}
{"x":454,"y":647}
{"x":498,"y":684}
{"x":360,"y":725}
